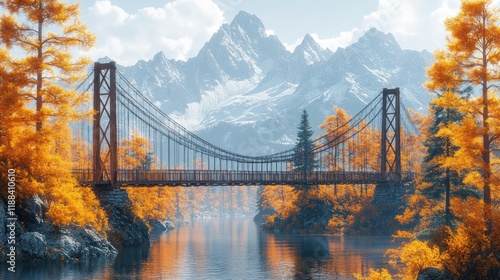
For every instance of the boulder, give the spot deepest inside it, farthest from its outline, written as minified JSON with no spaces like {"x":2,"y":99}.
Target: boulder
{"x":126,"y":228}
{"x":69,"y":245}
{"x":32,"y":212}
{"x":33,"y":245}
{"x":3,"y":224}
{"x":156,"y":226}
{"x":169,"y":225}
{"x":77,"y":242}
{"x":431,"y":273}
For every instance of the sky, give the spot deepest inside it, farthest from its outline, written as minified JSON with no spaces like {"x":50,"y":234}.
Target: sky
{"x":129,"y":31}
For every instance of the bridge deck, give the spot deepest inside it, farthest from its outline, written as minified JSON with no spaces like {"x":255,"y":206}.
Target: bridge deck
{"x":231,"y":178}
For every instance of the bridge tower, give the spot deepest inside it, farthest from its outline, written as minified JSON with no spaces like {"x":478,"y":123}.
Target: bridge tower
{"x":392,"y":190}
{"x":391,"y":135}
{"x":105,"y":145}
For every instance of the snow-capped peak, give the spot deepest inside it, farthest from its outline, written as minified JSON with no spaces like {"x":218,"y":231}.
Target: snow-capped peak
{"x":244,"y":89}
{"x":311,"y":51}
{"x":374,"y":38}
{"x":250,"y":24}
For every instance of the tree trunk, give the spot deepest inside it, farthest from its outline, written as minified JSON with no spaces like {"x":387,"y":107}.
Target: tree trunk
{"x":447,"y":199}
{"x":39,"y":78}
{"x":486,"y":153}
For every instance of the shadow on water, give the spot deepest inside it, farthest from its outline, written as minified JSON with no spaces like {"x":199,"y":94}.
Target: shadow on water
{"x":91,"y":268}
{"x":321,"y":256}
{"x":312,"y":252}
{"x":129,"y":261}
{"x":126,"y":263}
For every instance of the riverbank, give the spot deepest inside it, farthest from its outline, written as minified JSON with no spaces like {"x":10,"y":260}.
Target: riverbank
{"x":27,"y":235}
{"x":30,"y":237}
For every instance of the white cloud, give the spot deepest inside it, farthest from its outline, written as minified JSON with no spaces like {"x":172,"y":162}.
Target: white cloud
{"x":415,"y":24}
{"x":447,"y":9}
{"x":341,"y":41}
{"x":395,"y":16}
{"x":179,"y":29}
{"x":291,"y":47}
{"x":114,"y":14}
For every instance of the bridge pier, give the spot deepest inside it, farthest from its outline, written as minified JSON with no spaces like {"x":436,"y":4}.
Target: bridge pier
{"x":112,"y":197}
{"x":392,"y":192}
{"x":126,"y":229}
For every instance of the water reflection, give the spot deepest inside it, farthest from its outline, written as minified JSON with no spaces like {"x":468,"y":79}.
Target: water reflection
{"x":227,"y":249}
{"x":92,"y":268}
{"x":322,"y":256}
{"x":129,"y":261}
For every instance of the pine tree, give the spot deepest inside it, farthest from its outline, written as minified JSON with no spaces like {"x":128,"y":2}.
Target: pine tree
{"x":441,"y":178}
{"x":304,"y":160}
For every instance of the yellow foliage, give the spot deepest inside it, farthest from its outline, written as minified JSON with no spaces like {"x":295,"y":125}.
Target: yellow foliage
{"x":154,"y":203}
{"x":470,"y":250}
{"x":471,"y":253}
{"x":280,"y":198}
{"x":133,"y":153}
{"x":466,"y":253}
{"x":416,"y":256}
{"x":33,"y":93}
{"x":472,"y":56}
{"x":75,"y":205}
{"x":382,"y":274}
{"x":417,"y":205}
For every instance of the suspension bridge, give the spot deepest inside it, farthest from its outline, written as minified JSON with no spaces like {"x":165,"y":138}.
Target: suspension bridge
{"x":129,"y":141}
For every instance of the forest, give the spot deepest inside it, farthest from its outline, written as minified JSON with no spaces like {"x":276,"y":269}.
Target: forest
{"x":449,"y":223}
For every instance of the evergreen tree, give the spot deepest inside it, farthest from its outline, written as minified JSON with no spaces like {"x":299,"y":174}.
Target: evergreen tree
{"x":304,"y":160}
{"x":442,"y":179}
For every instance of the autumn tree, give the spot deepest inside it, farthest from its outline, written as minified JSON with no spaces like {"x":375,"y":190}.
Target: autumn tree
{"x":281,"y":199}
{"x":153,"y":203}
{"x":37,"y":39}
{"x":46,"y":36}
{"x":335,"y":127}
{"x":471,"y":58}
{"x":134,"y":152}
{"x":148,"y":203}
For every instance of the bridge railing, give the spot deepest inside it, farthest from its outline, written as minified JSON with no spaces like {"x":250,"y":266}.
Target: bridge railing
{"x":140,"y":177}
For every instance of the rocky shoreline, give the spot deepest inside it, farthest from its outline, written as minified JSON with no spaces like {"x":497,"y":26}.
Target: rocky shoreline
{"x":37,"y":240}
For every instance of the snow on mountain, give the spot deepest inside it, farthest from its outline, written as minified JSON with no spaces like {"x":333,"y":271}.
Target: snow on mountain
{"x":244,"y":91}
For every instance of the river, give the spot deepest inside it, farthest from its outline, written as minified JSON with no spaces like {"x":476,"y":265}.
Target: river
{"x":226,"y":248}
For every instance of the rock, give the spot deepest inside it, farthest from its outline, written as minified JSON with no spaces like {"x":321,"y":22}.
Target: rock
{"x":169,"y":225}
{"x":157,"y":226}
{"x":33,"y":245}
{"x":78,"y":242}
{"x":32,"y":212}
{"x":431,"y":273}
{"x":40,"y":240}
{"x":127,"y":229}
{"x":3,"y":224}
{"x":69,"y":245}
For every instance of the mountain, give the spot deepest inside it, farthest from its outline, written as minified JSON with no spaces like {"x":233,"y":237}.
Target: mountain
{"x":244,"y":91}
